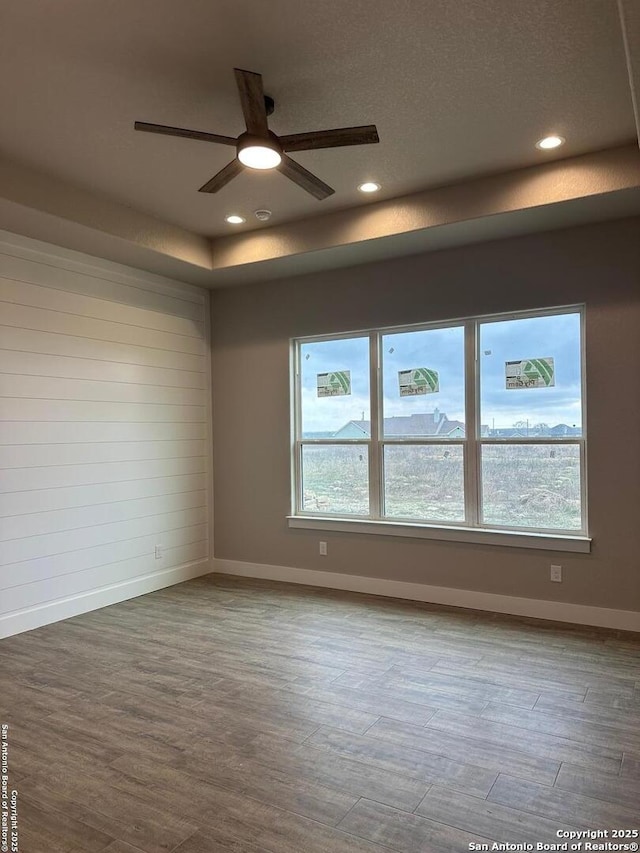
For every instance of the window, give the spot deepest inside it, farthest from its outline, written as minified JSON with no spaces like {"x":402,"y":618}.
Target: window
{"x":475,"y":424}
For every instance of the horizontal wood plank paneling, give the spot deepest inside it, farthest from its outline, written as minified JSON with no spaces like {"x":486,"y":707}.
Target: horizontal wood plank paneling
{"x":104,"y":400}
{"x":37,"y":364}
{"x":61,"y":323}
{"x":83,"y":411}
{"x":53,"y":343}
{"x":36,"y":524}
{"x":36,"y":455}
{"x":32,"y":432}
{"x":132,"y":291}
{"x":60,"y":476}
{"x":33,"y":387}
{"x":45,"y":500}
{"x":36,"y":547}
{"x":48,"y":569}
{"x":103,"y":575}
{"x":38,"y":296}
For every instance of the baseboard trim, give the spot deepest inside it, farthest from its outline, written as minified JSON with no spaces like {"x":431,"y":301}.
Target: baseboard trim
{"x":557,"y":611}
{"x":54,"y":611}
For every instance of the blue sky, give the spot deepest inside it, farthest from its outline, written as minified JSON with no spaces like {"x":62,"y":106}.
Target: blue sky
{"x":442,"y":350}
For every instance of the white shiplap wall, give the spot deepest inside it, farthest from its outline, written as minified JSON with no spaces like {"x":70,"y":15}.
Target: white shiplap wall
{"x":104,"y":433}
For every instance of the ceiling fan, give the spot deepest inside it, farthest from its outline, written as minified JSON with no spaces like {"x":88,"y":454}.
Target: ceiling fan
{"x":260,"y":148}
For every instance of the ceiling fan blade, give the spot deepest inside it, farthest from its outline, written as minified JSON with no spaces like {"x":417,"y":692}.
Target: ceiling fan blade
{"x":365,"y":135}
{"x":300,"y":176}
{"x":182,"y":131}
{"x":222,"y":178}
{"x":252,"y":101}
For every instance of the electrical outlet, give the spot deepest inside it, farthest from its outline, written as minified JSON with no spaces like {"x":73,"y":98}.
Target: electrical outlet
{"x":556,"y":574}
{"x":323,"y":549}
{"x":158,"y":552}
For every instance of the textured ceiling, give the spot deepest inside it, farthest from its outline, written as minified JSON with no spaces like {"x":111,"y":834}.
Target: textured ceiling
{"x":457,"y":88}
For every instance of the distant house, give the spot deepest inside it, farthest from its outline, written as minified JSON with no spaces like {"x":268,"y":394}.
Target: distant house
{"x":564,"y":430}
{"x":535,"y":431}
{"x":419,"y":425}
{"x":436,"y":423}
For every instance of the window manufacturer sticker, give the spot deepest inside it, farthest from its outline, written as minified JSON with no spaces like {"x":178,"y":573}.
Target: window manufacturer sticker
{"x":529,"y":373}
{"x":336,"y":384}
{"x":418,"y":380}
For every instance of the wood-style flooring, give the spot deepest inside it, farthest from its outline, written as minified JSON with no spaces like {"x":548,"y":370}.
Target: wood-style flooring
{"x":236,"y":715}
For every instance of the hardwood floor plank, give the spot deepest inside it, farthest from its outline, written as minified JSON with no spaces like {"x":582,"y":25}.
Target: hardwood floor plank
{"x":42,"y":828}
{"x":565,"y":726}
{"x":406,"y":760}
{"x":620,"y":720}
{"x":555,"y":804}
{"x":214,"y":841}
{"x":407,"y":833}
{"x":588,"y":665}
{"x":121,"y":847}
{"x":90,"y":800}
{"x":228,"y":714}
{"x":431,"y":699}
{"x":625,"y":791}
{"x":339,"y":772}
{"x":370,"y":701}
{"x":631,"y":766}
{"x":489,"y":819}
{"x":524,"y":738}
{"x":492,"y":758}
{"x":277,"y":830}
{"x":255,"y":780}
{"x":456,"y":681}
{"x":619,"y":698}
{"x":511,"y":678}
{"x":298,"y":705}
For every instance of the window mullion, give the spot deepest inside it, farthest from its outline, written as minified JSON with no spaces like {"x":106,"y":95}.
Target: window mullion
{"x":472,"y":428}
{"x":296,"y":431}
{"x":376,"y":501}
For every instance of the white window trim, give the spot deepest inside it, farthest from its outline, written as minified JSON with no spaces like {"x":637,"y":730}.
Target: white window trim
{"x":475,"y":532}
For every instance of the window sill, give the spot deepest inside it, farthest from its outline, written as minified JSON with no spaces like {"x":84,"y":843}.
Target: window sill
{"x":478,"y":536}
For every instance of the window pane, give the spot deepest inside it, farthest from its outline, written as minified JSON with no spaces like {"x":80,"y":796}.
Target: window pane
{"x":335,"y":479}
{"x":425,"y":482}
{"x":531,"y":377}
{"x":423,"y":383}
{"x":335,"y":388}
{"x":531,"y":485}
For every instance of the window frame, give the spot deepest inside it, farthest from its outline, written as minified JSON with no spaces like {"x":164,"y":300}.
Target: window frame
{"x":472,"y":528}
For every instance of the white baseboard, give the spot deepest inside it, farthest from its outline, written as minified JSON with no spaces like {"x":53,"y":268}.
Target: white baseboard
{"x":54,"y":611}
{"x":558,"y":611}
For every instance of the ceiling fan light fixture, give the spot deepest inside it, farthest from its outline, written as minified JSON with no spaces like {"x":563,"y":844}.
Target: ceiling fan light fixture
{"x":369,"y":187}
{"x":259,"y":148}
{"x":257,"y":153}
{"x":549,"y":142}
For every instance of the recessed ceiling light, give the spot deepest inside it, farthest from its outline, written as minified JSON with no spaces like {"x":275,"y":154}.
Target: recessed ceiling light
{"x":369,"y":187}
{"x":550,"y":142}
{"x":234,"y":219}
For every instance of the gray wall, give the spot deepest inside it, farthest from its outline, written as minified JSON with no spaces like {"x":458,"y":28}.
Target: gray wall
{"x":252,"y":325}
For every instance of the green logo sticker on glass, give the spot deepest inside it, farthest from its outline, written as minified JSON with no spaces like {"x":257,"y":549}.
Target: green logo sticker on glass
{"x":418,"y":380}
{"x":336,"y":384}
{"x":529,"y":373}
